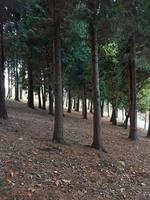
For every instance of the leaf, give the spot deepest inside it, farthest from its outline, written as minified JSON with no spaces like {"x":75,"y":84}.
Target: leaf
{"x":66,"y":181}
{"x":11,"y":172}
{"x":57,"y":182}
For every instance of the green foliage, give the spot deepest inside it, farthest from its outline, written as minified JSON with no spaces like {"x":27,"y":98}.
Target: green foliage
{"x":144,"y":97}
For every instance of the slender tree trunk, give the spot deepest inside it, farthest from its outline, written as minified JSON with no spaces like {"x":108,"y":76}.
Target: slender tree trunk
{"x":44,"y":93}
{"x":9,"y":83}
{"x":20,"y":92}
{"x":117,"y":113}
{"x":58,"y":136}
{"x":145,"y":120}
{"x":3,"y":112}
{"x":88,"y":104}
{"x":114,"y":115}
{"x":148,"y":132}
{"x":111,"y":116}
{"x":84,"y":105}
{"x":39,"y":97}
{"x":122,"y":114}
{"x":91,"y":107}
{"x":30,"y":87}
{"x":16,"y":81}
{"x":132,"y":90}
{"x":108,"y":110}
{"x":74,"y":103}
{"x":51,"y":101}
{"x":97,"y":132}
{"x":126,"y":121}
{"x":77,"y":104}
{"x":125,"y":124}
{"x":102,"y":108}
{"x":66,"y":101}
{"x":69,"y":102}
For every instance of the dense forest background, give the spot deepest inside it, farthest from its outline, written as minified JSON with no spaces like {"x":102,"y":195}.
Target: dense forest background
{"x":67,"y":66}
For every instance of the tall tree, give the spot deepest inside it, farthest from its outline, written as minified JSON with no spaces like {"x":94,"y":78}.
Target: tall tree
{"x":58,"y":136}
{"x":97,"y":132}
{"x":30,"y":84}
{"x":132,"y":90}
{"x":3,"y":112}
{"x":148,"y":132}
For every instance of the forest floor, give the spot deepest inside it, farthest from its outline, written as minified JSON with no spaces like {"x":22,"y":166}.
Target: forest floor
{"x":31,"y":167}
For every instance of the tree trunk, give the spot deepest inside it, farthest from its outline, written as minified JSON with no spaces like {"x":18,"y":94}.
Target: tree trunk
{"x":148,"y":132}
{"x":122,"y":114}
{"x":74,"y":103}
{"x":16,"y":81}
{"x":117,"y":113}
{"x":9,"y":83}
{"x":111,"y":117}
{"x":132,"y":90}
{"x":77,"y":104}
{"x":91,"y":107}
{"x":97,"y":132}
{"x":44,"y":93}
{"x":39,"y":97}
{"x":58,"y":136}
{"x":145,"y":120}
{"x":21,"y":92}
{"x":69,"y":102}
{"x":3,"y":112}
{"x":30,"y":87}
{"x":114,"y":115}
{"x":84,"y":105}
{"x":108,"y":110}
{"x":51,"y":101}
{"x":102,"y":108}
{"x":88,"y":104}
{"x":125,"y":124}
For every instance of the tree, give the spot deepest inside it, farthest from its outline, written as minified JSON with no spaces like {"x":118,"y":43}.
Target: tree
{"x":132,"y":89}
{"x":148,"y":132}
{"x":3,"y":112}
{"x":97,"y":132}
{"x":58,"y":121}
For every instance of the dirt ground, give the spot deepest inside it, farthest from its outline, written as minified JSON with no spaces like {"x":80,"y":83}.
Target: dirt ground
{"x":31,"y":167}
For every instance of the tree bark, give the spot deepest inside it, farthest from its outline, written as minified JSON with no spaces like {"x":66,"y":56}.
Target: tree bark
{"x":145,"y":120}
{"x":108,"y":110}
{"x":84,"y":105}
{"x":148,"y":132}
{"x":69,"y":102}
{"x":44,"y":93}
{"x":132,"y":90}
{"x":91,"y":107}
{"x":16,"y":81}
{"x":30,"y":87}
{"x":20,"y":92}
{"x":125,"y":124}
{"x":97,"y":132}
{"x":39,"y":97}
{"x":77,"y":104}
{"x":102,"y":108}
{"x":9,"y":81}
{"x":88,"y":104}
{"x":114,"y":115}
{"x":58,"y":136}
{"x":3,"y":112}
{"x":51,"y":101}
{"x":122,"y":114}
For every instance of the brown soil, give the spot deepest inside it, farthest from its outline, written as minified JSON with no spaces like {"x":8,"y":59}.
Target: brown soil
{"x":31,"y":167}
